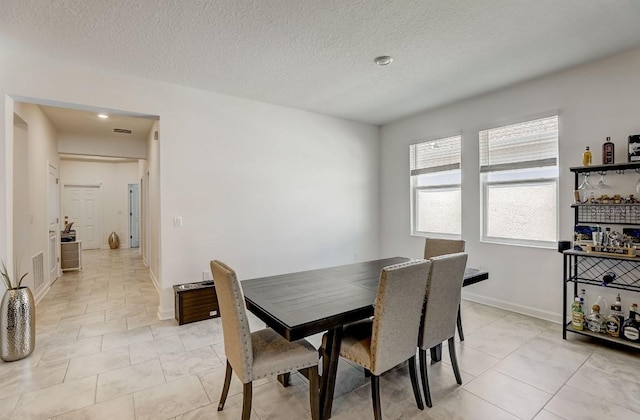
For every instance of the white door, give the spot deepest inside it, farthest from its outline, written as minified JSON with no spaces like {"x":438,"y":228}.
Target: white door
{"x":134,"y":216}
{"x":82,"y":207}
{"x":53,"y":220}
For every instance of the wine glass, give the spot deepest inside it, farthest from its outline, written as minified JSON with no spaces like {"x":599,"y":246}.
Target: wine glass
{"x":602,"y":184}
{"x":585,"y":182}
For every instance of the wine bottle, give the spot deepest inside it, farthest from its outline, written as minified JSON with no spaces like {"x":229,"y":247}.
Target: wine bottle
{"x":608,"y":152}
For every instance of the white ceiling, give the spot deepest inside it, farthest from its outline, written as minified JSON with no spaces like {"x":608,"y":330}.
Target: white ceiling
{"x":317,"y":55}
{"x":88,"y":124}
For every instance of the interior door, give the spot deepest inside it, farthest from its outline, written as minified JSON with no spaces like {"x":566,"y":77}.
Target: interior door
{"x":53,"y":221}
{"x":82,"y":207}
{"x":134,"y":215}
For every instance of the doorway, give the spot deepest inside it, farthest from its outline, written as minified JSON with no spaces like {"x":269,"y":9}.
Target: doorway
{"x":53,"y":221}
{"x":134,"y":215}
{"x":82,"y":207}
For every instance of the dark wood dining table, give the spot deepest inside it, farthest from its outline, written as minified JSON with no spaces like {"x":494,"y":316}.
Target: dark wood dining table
{"x":298,"y":305}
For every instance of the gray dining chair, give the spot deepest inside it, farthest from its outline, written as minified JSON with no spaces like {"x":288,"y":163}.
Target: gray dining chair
{"x":389,"y":338}
{"x":258,"y":354}
{"x":434,"y":247}
{"x":439,"y":314}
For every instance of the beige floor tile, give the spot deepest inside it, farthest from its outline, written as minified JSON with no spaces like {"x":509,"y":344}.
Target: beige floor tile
{"x":170,"y":327}
{"x":142,"y":320}
{"x":126,"y":338}
{"x":604,"y":385}
{"x":293,"y":401}
{"x":616,"y":362}
{"x":83,"y":319}
{"x":67,"y":350}
{"x":141,"y":352}
{"x":463,"y":405}
{"x":195,"y":361}
{"x":194,"y":340}
{"x":80,"y":367}
{"x":470,"y":360}
{"x":102,"y":327}
{"x":119,"y":408}
{"x":542,"y":375}
{"x":547,"y":415}
{"x":573,"y":404}
{"x":58,"y":399}
{"x":119,"y":382}
{"x":518,"y":398}
{"x":170,"y":399}
{"x":33,"y":378}
{"x":7,"y":405}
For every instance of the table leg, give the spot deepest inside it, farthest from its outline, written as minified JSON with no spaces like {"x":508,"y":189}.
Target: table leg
{"x":436,"y":353}
{"x":328,"y":382}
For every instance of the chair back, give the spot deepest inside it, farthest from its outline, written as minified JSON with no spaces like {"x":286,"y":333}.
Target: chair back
{"x":235,"y":324}
{"x":397,"y":314}
{"x":434,"y":247}
{"x":442,"y":299}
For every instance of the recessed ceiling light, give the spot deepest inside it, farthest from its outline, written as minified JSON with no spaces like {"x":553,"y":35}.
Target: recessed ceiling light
{"x":103,"y":116}
{"x":383,"y":60}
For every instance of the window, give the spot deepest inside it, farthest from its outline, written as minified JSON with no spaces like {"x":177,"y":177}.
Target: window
{"x":519,"y":176}
{"x":435,"y":187}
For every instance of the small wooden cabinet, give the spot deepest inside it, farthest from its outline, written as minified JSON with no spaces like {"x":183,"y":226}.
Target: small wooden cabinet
{"x":71,"y":255}
{"x":195,"y":302}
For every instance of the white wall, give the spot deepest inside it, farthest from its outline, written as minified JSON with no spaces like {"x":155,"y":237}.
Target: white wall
{"x":113,"y":178}
{"x":102,"y":146}
{"x":31,"y":229}
{"x":594,"y":100}
{"x":265,"y":188}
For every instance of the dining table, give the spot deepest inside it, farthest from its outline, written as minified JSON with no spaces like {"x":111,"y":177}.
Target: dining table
{"x":298,"y":305}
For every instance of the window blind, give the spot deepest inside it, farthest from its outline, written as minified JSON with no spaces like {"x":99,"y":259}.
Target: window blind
{"x":530,"y":144}
{"x":435,"y":155}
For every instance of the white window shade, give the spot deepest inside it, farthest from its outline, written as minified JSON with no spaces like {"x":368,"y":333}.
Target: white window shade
{"x":435,"y":155}
{"x":531,"y":144}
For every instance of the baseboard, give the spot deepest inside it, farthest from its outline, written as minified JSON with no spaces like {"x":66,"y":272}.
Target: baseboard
{"x":162,"y":314}
{"x":509,"y":306}
{"x":40,"y":294}
{"x":168,"y":314}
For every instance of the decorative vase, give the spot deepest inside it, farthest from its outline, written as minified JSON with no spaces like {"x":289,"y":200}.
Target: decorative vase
{"x":114,"y":240}
{"x":17,"y":324}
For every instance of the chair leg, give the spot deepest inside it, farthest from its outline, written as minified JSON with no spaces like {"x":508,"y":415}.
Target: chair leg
{"x":225,"y":388}
{"x":414,"y":382}
{"x":425,"y":380}
{"x":460,"y":333}
{"x":375,"y":397}
{"x":283,"y":378}
{"x":454,"y":360}
{"x":247,"y":391}
{"x":314,"y":392}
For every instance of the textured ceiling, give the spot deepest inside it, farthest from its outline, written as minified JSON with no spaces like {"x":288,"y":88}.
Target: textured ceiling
{"x":317,"y":55}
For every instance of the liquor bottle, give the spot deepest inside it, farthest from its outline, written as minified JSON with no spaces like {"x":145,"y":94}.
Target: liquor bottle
{"x":586,"y":157}
{"x":631,"y":327}
{"x":614,"y":321}
{"x":608,"y":154}
{"x":577,"y":315}
{"x":583,"y":298}
{"x":595,"y":322}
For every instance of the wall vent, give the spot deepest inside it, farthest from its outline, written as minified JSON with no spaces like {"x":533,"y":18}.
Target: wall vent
{"x":122,"y":130}
{"x":155,"y":135}
{"x":38,"y":270}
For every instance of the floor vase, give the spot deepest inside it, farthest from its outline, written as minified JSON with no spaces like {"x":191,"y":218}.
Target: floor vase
{"x":17,"y":324}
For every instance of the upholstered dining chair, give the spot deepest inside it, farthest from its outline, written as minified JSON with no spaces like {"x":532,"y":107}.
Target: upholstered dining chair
{"x":439,"y":315}
{"x":434,"y":247}
{"x":259,"y":354}
{"x":389,"y":338}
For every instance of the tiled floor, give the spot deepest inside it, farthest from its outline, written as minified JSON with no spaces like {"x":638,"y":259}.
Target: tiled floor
{"x":101,"y":353}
